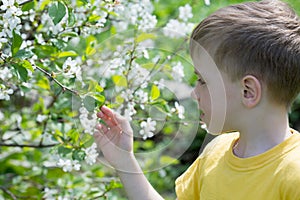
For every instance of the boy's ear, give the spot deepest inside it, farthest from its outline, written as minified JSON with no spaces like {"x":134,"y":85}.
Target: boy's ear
{"x":252,"y":91}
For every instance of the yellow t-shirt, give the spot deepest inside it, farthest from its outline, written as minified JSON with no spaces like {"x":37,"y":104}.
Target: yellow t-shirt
{"x":218,"y":174}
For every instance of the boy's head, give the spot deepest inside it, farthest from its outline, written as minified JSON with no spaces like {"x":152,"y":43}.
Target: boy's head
{"x":261,"y":39}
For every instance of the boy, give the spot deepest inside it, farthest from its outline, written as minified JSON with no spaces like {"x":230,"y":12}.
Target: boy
{"x":247,"y":58}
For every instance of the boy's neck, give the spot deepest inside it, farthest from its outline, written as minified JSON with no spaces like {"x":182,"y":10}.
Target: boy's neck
{"x":262,"y":134}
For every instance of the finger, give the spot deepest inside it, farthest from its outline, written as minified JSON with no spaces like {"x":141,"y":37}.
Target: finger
{"x":107,"y":111}
{"x":108,"y":116}
{"x":102,"y":128}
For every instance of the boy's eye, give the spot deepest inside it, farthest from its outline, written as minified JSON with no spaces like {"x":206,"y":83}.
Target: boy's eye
{"x":201,"y":81}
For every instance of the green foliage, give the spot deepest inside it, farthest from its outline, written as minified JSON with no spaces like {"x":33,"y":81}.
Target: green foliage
{"x":57,"y":63}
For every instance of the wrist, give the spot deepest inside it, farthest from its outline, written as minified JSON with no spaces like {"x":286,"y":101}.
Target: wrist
{"x":128,"y":165}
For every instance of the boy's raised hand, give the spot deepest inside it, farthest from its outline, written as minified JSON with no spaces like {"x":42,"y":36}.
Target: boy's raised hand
{"x":114,"y":138}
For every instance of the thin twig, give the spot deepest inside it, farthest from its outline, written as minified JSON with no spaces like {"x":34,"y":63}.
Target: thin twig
{"x":64,"y":88}
{"x":29,"y":145}
{"x":8,"y":192}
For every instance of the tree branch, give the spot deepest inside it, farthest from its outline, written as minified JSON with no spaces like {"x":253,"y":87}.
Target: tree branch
{"x":39,"y":146}
{"x":64,"y":88}
{"x":8,"y":192}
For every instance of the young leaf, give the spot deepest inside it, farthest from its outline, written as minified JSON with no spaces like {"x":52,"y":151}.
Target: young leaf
{"x":119,"y":80}
{"x":155,"y":92}
{"x":89,"y":103}
{"x":71,"y":17}
{"x":26,"y":64}
{"x":57,"y":12}
{"x":44,"y":83}
{"x":66,"y":54}
{"x":16,"y":43}
{"x":21,"y":72}
{"x":78,"y":155}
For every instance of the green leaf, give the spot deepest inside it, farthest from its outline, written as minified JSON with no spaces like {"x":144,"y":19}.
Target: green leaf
{"x":94,"y":86}
{"x":66,"y":54}
{"x":28,"y":6}
{"x":119,"y":80}
{"x":69,"y":34}
{"x":57,"y":12}
{"x":100,"y":99}
{"x":26,"y":64}
{"x":16,"y":43}
{"x":167,"y":160}
{"x":44,"y":83}
{"x":162,"y":105}
{"x":144,"y":36}
{"x":155,"y":92}
{"x":63,"y":150}
{"x":21,"y":72}
{"x":73,"y":134}
{"x":89,"y":103}
{"x":71,"y":17}
{"x":23,"y":54}
{"x":78,"y":154}
{"x":44,"y":51}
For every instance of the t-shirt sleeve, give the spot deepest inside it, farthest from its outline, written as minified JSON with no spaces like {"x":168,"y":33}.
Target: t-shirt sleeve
{"x":187,"y":186}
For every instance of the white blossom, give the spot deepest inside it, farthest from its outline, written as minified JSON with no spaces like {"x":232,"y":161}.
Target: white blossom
{"x":177,"y":29}
{"x":207,"y":2}
{"x":1,"y":115}
{"x":71,"y":69}
{"x":179,"y":109}
{"x":49,"y":194}
{"x":68,"y":165}
{"x":129,"y":111}
{"x":5,"y":74}
{"x":5,"y":92}
{"x":139,"y":76}
{"x":7,"y":4}
{"x":76,"y":165}
{"x":40,"y":118}
{"x":140,"y":15}
{"x":141,"y":96}
{"x":177,"y":71}
{"x":185,"y":12}
{"x":87,"y":121}
{"x":147,"y":128}
{"x":160,"y":84}
{"x":91,"y":154}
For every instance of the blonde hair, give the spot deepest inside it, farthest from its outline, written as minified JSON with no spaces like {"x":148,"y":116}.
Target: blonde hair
{"x":257,"y":38}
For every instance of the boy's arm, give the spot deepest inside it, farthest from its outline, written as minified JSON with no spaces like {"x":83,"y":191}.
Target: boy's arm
{"x":115,"y":140}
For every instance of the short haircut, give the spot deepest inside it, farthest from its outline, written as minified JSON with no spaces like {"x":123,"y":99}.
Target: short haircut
{"x":256,"y":38}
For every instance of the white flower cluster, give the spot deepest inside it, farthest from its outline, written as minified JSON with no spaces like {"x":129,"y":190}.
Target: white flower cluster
{"x":51,"y":194}
{"x":177,"y":28}
{"x":71,"y":69}
{"x":177,"y":71}
{"x":40,"y":118}
{"x":179,"y":109}
{"x":5,"y":92}
{"x":10,"y":20}
{"x":87,"y":122}
{"x":5,"y":74}
{"x":136,"y":13}
{"x":68,"y":165}
{"x":98,"y":13}
{"x":91,"y":154}
{"x":147,"y":128}
{"x":1,"y":115}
